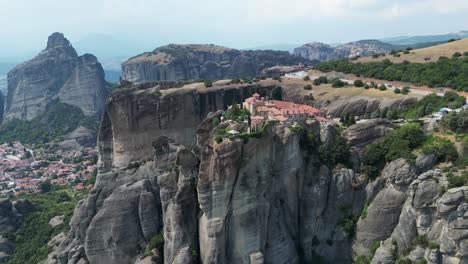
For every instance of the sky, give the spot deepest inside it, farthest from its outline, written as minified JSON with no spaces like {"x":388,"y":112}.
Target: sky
{"x":141,"y":25}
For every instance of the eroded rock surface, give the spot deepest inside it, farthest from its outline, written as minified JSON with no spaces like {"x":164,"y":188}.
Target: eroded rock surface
{"x":56,"y":74}
{"x":165,"y":171}
{"x":182,"y":62}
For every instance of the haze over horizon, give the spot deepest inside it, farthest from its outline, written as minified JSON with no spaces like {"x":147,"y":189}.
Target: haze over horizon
{"x":141,"y":25}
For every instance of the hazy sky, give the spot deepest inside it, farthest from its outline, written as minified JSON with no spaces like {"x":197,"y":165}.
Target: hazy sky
{"x":146,"y":24}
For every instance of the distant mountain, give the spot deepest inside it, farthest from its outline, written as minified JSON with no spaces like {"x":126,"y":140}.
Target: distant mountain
{"x":282,"y":47}
{"x":409,"y":40}
{"x":362,"y":48}
{"x":323,"y":52}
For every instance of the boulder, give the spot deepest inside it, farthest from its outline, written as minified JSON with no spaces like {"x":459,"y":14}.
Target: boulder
{"x":364,"y":133}
{"x":56,"y":220}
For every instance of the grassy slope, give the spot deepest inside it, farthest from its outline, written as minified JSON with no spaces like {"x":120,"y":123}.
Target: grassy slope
{"x":419,"y":55}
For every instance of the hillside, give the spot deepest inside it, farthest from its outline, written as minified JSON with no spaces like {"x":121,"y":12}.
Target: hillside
{"x":429,"y":54}
{"x":409,"y":40}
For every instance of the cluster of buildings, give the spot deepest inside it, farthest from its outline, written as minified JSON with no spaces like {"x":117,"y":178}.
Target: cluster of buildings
{"x":445,"y":110}
{"x":287,"y":113}
{"x":22,"y":170}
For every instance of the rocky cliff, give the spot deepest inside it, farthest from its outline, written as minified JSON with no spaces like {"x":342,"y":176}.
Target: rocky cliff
{"x":269,"y":198}
{"x":178,"y":62}
{"x":56,"y":74}
{"x":323,"y":52}
{"x":2,"y":106}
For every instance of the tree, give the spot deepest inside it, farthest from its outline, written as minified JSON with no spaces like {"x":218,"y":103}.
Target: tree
{"x":337,"y":83}
{"x":405,"y":90}
{"x":45,"y":186}
{"x":208,"y":83}
{"x":358,"y":83}
{"x":308,"y":87}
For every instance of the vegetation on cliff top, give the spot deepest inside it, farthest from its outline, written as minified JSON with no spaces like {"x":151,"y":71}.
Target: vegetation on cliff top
{"x":59,"y":120}
{"x":401,"y":143}
{"x":427,"y":105}
{"x":446,"y":72}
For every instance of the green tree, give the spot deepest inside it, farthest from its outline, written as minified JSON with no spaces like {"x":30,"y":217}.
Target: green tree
{"x":358,"y":83}
{"x":45,"y":186}
{"x":405,"y":90}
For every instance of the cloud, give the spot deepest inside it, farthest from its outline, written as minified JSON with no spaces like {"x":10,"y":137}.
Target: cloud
{"x":268,"y":11}
{"x":429,"y":7}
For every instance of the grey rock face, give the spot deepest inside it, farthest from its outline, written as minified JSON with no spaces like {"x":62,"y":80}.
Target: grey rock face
{"x":362,"y":134}
{"x":324,"y":52}
{"x":364,"y":106}
{"x":56,"y":74}
{"x":384,"y":211}
{"x":425,"y":162}
{"x":316,"y":51}
{"x":261,"y":200}
{"x":179,"y":202}
{"x":178,"y":62}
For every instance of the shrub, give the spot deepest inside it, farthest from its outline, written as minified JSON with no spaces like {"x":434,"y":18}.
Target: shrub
{"x":406,"y":52}
{"x":358,"y":83}
{"x":405,"y":90}
{"x":337,"y":83}
{"x":336,"y":152}
{"x":396,"y":144}
{"x":382,"y":87}
{"x":45,"y":186}
{"x":308,"y":87}
{"x":457,"y":55}
{"x":457,"y":181}
{"x":349,"y":225}
{"x":366,"y":86}
{"x":155,"y":242}
{"x":208,"y":83}
{"x":397,"y":91}
{"x":320,"y":80}
{"x":375,"y":56}
{"x":443,"y":149}
{"x":215,"y":122}
{"x":307,"y":78}
{"x":465,"y":53}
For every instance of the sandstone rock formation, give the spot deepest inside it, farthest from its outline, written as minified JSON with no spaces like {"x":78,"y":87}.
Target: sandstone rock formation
{"x":364,"y":106}
{"x":323,"y":52}
{"x":179,"y":62}
{"x":163,"y":171}
{"x":360,"y":135}
{"x":56,"y":74}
